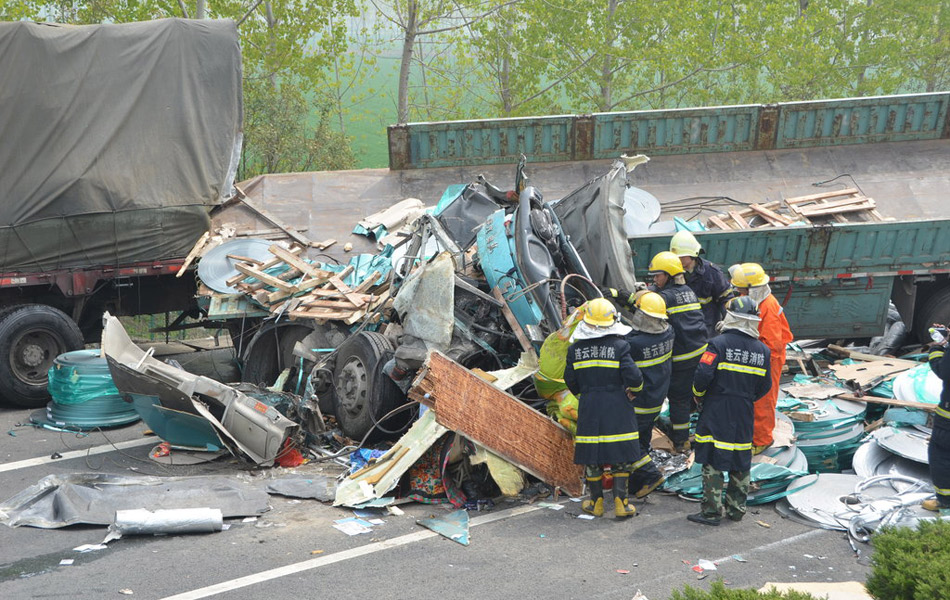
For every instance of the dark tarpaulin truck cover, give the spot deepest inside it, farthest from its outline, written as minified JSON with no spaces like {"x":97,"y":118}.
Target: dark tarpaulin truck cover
{"x":116,"y":139}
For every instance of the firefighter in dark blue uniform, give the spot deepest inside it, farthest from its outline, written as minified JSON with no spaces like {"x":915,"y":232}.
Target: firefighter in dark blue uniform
{"x":706,"y":279}
{"x":651,"y":344}
{"x":689,"y":341}
{"x":732,"y":374}
{"x":600,"y":371}
{"x":938,"y":452}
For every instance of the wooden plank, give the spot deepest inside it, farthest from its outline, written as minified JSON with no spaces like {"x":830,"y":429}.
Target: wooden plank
{"x":748,"y":212}
{"x":720,"y":223}
{"x":337,"y":282}
{"x":322,"y":245}
{"x":297,"y":262}
{"x":194,"y":253}
{"x":512,"y":321}
{"x":820,"y":211}
{"x":367,"y":283}
{"x":319,"y":314}
{"x":268,"y":265}
{"x":770,"y":215}
{"x":890,"y":402}
{"x":822,"y":196}
{"x":244,"y":259}
{"x":341,"y":304}
{"x":848,"y":353}
{"x":476,"y":409}
{"x":285,"y":276}
{"x":263,"y":277}
{"x":738,"y":220}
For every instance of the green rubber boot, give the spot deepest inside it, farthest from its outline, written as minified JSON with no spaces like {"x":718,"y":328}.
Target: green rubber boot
{"x":595,"y":505}
{"x":622,"y":508}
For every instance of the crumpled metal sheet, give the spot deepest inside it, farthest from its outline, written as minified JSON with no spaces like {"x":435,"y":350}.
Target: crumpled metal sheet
{"x":856,"y":504}
{"x":316,"y":487}
{"x":424,"y":300}
{"x":93,"y":498}
{"x":905,"y":442}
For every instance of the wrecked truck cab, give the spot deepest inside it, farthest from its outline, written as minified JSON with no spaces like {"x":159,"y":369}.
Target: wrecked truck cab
{"x":525,"y":254}
{"x":484,"y":253}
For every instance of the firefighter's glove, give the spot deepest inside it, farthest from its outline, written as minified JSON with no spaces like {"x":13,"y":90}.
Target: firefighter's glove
{"x":619,"y":294}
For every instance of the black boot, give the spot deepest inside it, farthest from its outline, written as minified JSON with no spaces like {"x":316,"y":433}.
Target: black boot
{"x":622,"y":509}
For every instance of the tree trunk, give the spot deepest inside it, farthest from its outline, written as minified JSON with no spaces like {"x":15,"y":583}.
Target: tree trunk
{"x":200,"y":9}
{"x":409,"y":40}
{"x":606,"y":70}
{"x":506,"y":85}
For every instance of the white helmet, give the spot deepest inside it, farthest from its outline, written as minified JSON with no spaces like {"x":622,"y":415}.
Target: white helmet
{"x":685,"y":243}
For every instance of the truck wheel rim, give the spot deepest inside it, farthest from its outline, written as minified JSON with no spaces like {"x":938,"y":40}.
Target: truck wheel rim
{"x":33,"y":354}
{"x":353,"y":386}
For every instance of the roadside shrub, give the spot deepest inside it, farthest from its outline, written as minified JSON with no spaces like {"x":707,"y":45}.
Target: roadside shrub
{"x":911,"y":564}
{"x":719,"y":591}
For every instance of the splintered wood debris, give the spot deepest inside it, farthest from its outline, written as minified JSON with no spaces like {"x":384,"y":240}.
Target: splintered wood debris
{"x":306,"y":291}
{"x":472,"y":407}
{"x":839,"y":206}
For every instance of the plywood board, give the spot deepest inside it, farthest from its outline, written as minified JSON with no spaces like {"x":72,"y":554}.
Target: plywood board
{"x":511,"y":429}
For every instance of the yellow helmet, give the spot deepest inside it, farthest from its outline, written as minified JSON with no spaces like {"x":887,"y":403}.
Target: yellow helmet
{"x":685,"y":243}
{"x":600,"y":312}
{"x":749,"y":275}
{"x":667,"y":262}
{"x":652,"y":304}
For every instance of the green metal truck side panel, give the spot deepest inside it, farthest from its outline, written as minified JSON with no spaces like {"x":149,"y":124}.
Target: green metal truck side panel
{"x":655,"y":132}
{"x":847,"y":308}
{"x":565,"y":138}
{"x":821,"y":303}
{"x":822,"y":251}
{"x":861,"y":120}
{"x":490,"y":142}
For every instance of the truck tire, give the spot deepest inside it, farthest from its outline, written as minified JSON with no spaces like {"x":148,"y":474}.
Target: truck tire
{"x":363,"y":393}
{"x":271,"y":350}
{"x":935,"y":309}
{"x":31,"y":337}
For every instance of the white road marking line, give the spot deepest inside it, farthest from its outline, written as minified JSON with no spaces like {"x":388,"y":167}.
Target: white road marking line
{"x":677,"y":574}
{"x":43,"y":460}
{"x":329,"y":559}
{"x":777,"y":544}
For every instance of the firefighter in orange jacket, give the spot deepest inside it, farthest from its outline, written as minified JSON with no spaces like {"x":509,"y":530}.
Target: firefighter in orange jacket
{"x":750,"y":279}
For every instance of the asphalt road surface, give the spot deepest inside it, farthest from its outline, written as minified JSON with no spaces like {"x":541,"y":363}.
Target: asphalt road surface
{"x":517,"y":549}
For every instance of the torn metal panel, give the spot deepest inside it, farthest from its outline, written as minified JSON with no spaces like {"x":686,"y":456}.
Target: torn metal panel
{"x":593,"y":217}
{"x":375,"y":480}
{"x":453,"y":526}
{"x":93,"y":498}
{"x":396,"y":216}
{"x":180,"y":429}
{"x":248,"y":427}
{"x":472,"y":407}
{"x":905,"y":442}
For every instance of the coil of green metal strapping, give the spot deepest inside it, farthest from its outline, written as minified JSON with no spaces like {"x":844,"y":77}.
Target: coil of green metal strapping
{"x":830,"y":440}
{"x":84,"y":396}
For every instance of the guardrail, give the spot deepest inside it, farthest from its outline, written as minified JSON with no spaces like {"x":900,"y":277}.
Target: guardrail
{"x":677,"y":131}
